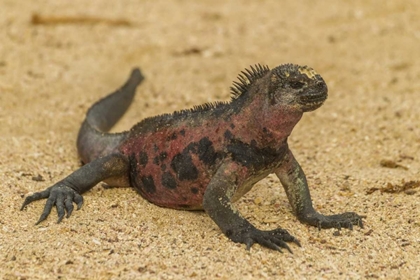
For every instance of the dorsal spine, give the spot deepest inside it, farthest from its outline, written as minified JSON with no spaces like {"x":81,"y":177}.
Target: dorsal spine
{"x":246,"y":78}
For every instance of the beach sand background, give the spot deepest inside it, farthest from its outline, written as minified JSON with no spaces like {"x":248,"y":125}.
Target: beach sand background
{"x":360,"y":151}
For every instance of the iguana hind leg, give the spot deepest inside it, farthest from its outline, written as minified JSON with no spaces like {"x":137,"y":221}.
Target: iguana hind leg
{"x":69,"y":190}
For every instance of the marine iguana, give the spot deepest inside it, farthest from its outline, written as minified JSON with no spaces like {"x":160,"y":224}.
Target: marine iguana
{"x":206,"y":157}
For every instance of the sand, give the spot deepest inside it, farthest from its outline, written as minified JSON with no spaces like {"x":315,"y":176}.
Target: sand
{"x":360,"y":151}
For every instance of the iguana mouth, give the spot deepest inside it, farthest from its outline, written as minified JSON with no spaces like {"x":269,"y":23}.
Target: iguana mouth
{"x":311,"y":101}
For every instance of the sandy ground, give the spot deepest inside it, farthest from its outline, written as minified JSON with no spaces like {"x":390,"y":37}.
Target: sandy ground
{"x":58,"y":57}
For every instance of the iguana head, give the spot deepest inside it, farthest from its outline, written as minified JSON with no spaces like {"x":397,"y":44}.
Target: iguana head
{"x":271,"y":102}
{"x":298,"y":87}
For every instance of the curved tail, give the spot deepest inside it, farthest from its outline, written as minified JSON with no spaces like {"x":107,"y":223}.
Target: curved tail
{"x":93,"y":141}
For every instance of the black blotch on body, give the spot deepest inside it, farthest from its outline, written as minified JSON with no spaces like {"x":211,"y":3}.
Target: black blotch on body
{"x":267,"y":132}
{"x":148,"y":184}
{"x":173,"y":136}
{"x":163,"y":167}
{"x":228,"y":135}
{"x":156,"y":160}
{"x":168,"y":181}
{"x":143,"y":158}
{"x":232,"y":126}
{"x":182,"y":132}
{"x":184,"y":167}
{"x":194,"y":190}
{"x":205,"y":151}
{"x":251,"y":156}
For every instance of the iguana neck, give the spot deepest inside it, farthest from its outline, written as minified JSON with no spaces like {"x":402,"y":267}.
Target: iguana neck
{"x":268,"y":125}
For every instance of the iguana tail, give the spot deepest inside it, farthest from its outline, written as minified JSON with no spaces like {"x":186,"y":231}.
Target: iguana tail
{"x":93,"y":140}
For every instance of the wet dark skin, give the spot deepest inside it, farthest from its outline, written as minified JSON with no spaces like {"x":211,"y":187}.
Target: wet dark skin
{"x":206,"y":157}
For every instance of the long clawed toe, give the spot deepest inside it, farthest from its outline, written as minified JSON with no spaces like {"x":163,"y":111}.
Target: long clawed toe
{"x":276,"y":239}
{"x":60,"y":196}
{"x":34,"y":197}
{"x":346,"y":220}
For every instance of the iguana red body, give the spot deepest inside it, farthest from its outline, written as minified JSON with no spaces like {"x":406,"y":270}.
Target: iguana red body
{"x":205,"y":157}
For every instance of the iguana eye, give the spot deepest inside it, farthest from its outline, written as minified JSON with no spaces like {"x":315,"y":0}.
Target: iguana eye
{"x":296,"y":85}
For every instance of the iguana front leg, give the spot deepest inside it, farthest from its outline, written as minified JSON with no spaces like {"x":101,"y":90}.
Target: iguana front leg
{"x":294,"y":182}
{"x":69,"y":190}
{"x":217,"y":204}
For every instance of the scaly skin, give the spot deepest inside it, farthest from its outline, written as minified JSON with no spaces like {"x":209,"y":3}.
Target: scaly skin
{"x":206,"y":157}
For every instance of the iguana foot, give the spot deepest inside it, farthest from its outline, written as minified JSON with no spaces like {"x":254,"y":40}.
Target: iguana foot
{"x":59,"y":195}
{"x":338,"y":221}
{"x":273,"y":239}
